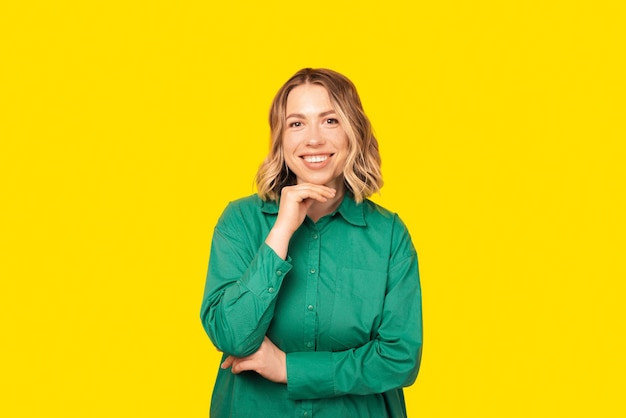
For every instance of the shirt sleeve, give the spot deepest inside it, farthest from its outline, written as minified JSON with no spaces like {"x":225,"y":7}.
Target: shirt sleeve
{"x":241,"y":289}
{"x":390,"y":360}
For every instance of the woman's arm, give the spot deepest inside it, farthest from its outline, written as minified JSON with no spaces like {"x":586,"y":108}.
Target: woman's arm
{"x":244,"y":280}
{"x":389,"y":361}
{"x":241,"y":290}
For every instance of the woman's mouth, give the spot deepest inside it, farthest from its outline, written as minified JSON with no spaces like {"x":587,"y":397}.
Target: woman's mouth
{"x":315,"y":158}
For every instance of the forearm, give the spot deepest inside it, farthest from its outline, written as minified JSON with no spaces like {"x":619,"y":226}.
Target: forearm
{"x":374,"y":368}
{"x":278,"y":240}
{"x":237,"y":311}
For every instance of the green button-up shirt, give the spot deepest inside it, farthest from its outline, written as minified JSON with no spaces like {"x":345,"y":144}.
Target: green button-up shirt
{"x":345,"y":306}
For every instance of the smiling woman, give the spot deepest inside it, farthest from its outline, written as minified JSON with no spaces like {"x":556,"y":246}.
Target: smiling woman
{"x":313,"y":290}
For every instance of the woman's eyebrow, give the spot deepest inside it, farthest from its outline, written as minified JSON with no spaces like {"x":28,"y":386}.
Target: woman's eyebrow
{"x":301,"y":116}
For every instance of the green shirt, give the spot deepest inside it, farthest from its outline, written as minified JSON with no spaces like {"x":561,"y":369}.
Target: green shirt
{"x":345,"y":306}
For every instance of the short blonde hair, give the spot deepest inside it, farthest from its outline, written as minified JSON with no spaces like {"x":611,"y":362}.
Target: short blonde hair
{"x":362,"y":174}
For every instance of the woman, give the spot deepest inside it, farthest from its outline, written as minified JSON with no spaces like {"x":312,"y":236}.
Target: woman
{"x":313,"y":291}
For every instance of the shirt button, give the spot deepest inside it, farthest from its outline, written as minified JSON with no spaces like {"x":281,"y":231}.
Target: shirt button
{"x":309,"y":344}
{"x":310,"y":307}
{"x":271,"y":290}
{"x":306,"y":414}
{"x":312,"y":271}
{"x":314,"y":236}
{"x":278,"y":272}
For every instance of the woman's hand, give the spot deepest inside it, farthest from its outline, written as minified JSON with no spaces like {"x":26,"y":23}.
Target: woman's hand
{"x":295,"y":201}
{"x":269,"y":361}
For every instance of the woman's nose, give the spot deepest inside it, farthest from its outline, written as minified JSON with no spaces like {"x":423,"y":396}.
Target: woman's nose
{"x":314,"y":136}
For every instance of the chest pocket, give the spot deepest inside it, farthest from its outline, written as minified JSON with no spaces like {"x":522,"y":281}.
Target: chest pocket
{"x":357,"y":308}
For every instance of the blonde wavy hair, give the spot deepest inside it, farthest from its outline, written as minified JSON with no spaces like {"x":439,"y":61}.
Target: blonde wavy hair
{"x":362,"y":174}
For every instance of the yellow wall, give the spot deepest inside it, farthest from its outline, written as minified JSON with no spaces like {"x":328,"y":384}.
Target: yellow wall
{"x":126,"y":127}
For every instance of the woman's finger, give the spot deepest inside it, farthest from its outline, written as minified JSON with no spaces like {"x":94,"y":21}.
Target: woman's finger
{"x":242,"y":365}
{"x":228,"y":362}
{"x":308,"y":191}
{"x":325,"y":190}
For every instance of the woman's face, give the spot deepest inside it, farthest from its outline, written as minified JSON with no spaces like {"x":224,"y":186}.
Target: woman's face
{"x":314,"y":143}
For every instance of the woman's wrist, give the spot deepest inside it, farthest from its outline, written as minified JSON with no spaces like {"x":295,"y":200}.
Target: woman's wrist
{"x":278,"y":240}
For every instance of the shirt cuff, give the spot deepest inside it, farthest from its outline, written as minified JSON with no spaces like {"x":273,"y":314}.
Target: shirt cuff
{"x":310,"y":375}
{"x":268,"y":271}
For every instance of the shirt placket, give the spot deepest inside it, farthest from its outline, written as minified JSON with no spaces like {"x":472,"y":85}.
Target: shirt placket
{"x":310,"y":305}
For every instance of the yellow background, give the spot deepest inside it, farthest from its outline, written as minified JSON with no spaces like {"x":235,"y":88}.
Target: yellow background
{"x":127,"y":126}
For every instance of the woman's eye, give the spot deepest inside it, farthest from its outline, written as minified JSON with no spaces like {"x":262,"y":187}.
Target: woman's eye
{"x":295,"y":124}
{"x":332,"y":121}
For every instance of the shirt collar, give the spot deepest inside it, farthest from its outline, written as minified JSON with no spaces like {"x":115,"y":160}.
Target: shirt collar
{"x":351,"y":211}
{"x":348,"y":209}
{"x":268,"y":206}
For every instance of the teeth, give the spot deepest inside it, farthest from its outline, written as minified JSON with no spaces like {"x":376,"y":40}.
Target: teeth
{"x":315,"y":158}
